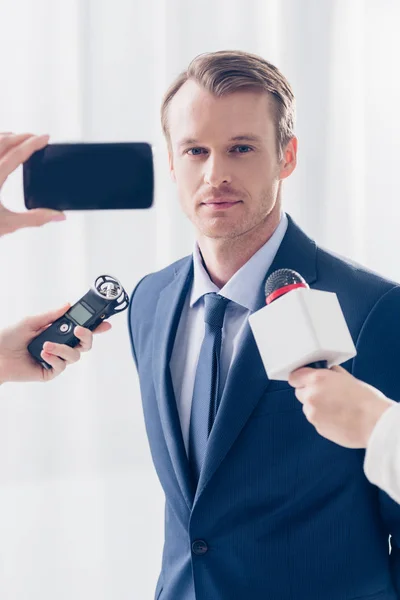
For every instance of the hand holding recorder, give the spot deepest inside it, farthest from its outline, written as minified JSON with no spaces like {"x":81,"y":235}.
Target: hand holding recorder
{"x":40,"y":348}
{"x":17,"y":364}
{"x":107,"y":297}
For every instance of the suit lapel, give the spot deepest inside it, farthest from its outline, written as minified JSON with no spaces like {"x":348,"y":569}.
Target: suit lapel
{"x":169,"y":309}
{"x":247,"y":380}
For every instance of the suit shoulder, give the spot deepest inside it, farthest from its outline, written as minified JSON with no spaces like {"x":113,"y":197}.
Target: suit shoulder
{"x":352,"y":275}
{"x":147,"y":290}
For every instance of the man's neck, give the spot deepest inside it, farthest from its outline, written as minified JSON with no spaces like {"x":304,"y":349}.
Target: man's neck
{"x":224,"y":257}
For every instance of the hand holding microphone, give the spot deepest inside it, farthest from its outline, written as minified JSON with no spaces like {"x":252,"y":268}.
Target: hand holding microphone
{"x":342,"y":409}
{"x":302,"y":328}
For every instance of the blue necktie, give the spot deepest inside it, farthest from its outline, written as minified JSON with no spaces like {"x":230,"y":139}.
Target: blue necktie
{"x":206,"y":385}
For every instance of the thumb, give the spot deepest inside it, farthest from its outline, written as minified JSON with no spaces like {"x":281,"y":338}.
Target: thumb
{"x":338,"y":369}
{"x":40,"y":322}
{"x":36,"y":217}
{"x":300,"y":377}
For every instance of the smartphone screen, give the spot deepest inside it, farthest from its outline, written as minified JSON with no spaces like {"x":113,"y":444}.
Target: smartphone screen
{"x":90,"y":176}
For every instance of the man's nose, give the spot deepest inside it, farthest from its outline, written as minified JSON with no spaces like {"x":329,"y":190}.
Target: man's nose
{"x":217,"y":172}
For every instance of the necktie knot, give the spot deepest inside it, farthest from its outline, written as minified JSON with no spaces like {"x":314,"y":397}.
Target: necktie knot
{"x":214,"y":310}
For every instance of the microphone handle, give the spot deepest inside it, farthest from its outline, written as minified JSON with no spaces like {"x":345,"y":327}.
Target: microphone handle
{"x":318,"y":364}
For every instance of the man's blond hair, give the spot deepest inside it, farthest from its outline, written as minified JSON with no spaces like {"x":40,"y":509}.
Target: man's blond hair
{"x":226,"y":72}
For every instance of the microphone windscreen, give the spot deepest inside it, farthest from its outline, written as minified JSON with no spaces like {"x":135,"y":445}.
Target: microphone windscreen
{"x":283,"y":278}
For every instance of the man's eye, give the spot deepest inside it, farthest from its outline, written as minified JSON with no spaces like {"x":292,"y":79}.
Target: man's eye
{"x":195,"y":151}
{"x":242,"y":149}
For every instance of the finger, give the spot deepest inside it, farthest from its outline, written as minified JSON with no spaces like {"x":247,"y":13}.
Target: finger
{"x":337,"y":369}
{"x":41,"y":322}
{"x":106,"y":326}
{"x":300,"y":377}
{"x":56,"y":363}
{"x":299,"y":393}
{"x":19,"y":153}
{"x":9,"y":140}
{"x":86,"y":338}
{"x":309,"y":412}
{"x":68,"y":354}
{"x":34,"y":218}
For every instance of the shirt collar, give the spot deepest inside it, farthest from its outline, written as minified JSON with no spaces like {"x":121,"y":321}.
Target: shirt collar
{"x":243,"y":287}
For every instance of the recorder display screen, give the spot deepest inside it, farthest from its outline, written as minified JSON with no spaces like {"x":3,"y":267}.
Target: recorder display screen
{"x":80,"y":314}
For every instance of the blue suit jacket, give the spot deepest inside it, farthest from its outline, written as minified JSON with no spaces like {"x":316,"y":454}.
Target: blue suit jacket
{"x":281,"y":512}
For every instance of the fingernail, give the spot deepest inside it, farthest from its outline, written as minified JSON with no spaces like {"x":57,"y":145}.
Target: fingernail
{"x":49,"y":346}
{"x":58,"y":217}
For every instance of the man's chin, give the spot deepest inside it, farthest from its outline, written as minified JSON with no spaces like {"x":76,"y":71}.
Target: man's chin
{"x":221,"y":231}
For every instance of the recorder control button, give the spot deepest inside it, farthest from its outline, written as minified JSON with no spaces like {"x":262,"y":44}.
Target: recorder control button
{"x":64,"y":327}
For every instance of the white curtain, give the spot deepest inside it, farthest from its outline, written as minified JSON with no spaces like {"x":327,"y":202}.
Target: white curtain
{"x":81,"y":511}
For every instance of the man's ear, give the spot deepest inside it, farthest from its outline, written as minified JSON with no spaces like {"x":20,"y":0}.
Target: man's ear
{"x":171,"y":165}
{"x":289,"y":160}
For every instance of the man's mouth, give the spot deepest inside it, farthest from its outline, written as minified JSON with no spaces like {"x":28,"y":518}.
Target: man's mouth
{"x":221,"y":203}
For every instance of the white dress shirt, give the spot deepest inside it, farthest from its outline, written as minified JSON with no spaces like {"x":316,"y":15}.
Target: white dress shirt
{"x":382,"y":459}
{"x":242,"y":289}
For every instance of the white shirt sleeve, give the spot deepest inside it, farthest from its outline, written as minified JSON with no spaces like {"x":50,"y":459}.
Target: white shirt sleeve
{"x":382,"y":458}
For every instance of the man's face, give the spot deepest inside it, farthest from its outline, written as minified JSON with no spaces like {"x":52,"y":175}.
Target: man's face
{"x":224,"y":159}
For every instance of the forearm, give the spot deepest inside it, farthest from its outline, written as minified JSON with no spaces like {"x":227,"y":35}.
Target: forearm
{"x":382,"y":459}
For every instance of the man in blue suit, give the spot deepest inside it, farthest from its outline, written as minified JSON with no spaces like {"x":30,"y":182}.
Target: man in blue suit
{"x":258,"y":505}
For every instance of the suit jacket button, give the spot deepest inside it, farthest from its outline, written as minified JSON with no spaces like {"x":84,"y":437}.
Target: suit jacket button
{"x":199,"y":547}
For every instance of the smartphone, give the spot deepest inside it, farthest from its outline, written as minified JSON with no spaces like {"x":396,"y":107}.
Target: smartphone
{"x":90,"y":176}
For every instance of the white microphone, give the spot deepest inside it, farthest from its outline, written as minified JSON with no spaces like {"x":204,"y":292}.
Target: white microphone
{"x":299,"y":327}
